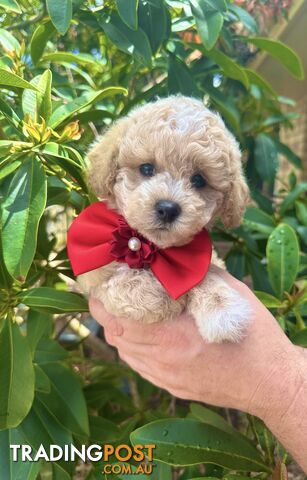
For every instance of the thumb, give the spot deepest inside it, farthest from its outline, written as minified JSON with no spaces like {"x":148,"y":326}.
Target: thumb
{"x":110,"y":323}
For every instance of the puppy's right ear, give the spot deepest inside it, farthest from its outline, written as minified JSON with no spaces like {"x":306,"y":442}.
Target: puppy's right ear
{"x":103,"y":157}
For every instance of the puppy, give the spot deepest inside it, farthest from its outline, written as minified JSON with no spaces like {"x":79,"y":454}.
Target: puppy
{"x":170,"y":168}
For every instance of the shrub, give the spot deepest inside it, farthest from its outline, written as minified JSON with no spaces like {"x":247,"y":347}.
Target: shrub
{"x":64,"y":78}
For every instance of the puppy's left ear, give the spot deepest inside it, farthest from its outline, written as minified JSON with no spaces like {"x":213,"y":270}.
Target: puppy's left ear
{"x":237,"y":196}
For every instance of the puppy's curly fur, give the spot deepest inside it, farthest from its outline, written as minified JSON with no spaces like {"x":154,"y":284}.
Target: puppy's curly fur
{"x":180,"y":137}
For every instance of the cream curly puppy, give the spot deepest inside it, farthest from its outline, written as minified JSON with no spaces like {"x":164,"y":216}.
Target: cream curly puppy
{"x":170,"y":168}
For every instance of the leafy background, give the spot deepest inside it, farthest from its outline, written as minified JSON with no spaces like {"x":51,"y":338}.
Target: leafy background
{"x":67,"y":69}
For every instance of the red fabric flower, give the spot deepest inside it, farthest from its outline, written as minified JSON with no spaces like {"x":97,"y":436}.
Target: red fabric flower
{"x":121,"y":251}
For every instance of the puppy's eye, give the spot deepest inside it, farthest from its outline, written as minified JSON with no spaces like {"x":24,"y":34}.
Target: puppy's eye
{"x":198,"y":181}
{"x":147,"y":169}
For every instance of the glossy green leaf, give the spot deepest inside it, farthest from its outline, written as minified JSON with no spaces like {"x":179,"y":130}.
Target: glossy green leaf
{"x":230,"y":68}
{"x":243,"y":16}
{"x":15,"y":470}
{"x":133,"y":42}
{"x":153,"y":20}
{"x":38,"y":324}
{"x":257,"y":79}
{"x":49,"y":350}
{"x":127,"y":10}
{"x":288,"y":153}
{"x":65,"y":400}
{"x":292,"y":196}
{"x":103,"y":430}
{"x":301,"y":211}
{"x":208,"y":416}
{"x":235,"y":263}
{"x":188,"y":442}
{"x":9,"y":79}
{"x":60,"y":12}
{"x":283,"y":258}
{"x":259,"y":274}
{"x":258,"y":220}
{"x":226,"y":106}
{"x":42,"y":382}
{"x":38,"y":104}
{"x":39,"y":40}
{"x":10,"y":5}
{"x":180,"y":79}
{"x":89,"y":98}
{"x":16,"y":376}
{"x":284,"y":54}
{"x":266,"y":156}
{"x":21,"y":211}
{"x":84,"y":60}
{"x":268,"y":300}
{"x":50,"y":300}
{"x":40,"y":427}
{"x":5,"y":278}
{"x":8,"y":41}
{"x":9,"y":168}
{"x":208,"y":20}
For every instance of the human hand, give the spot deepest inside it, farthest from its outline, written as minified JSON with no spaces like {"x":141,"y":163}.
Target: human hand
{"x":248,"y":375}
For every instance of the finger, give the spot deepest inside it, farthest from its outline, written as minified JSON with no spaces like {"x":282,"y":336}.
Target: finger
{"x":108,"y":321}
{"x":152,"y":378}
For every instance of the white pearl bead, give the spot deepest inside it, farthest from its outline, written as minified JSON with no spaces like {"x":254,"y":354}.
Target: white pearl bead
{"x":134,"y":244}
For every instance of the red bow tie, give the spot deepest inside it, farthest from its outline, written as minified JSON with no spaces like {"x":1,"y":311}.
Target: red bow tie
{"x":99,"y":236}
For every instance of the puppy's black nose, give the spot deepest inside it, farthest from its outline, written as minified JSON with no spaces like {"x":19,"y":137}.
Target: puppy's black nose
{"x":167,"y":210}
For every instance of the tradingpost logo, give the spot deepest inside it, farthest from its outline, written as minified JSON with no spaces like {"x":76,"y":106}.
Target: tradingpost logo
{"x":113,"y":458}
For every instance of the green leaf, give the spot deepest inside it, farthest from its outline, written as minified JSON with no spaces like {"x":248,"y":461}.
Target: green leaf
{"x":257,"y":79}
{"x":183,"y":442}
{"x":292,"y":196}
{"x":266,"y":157}
{"x":38,"y":104}
{"x":301,"y":211}
{"x":10,"y":5}
{"x":9,"y":79}
{"x":283,"y":258}
{"x":60,"y":12}
{"x":82,"y":59}
{"x":39,"y":40}
{"x":133,"y":42}
{"x":231,"y":68}
{"x":16,"y":376}
{"x":8,"y":41}
{"x":288,"y":153}
{"x":209,"y":22}
{"x":49,"y":350}
{"x":50,"y":300}
{"x":21,"y":211}
{"x":284,"y":54}
{"x":153,"y":20}
{"x":127,"y":10}
{"x":257,"y":220}
{"x":38,"y":324}
{"x":65,"y":111}
{"x":103,"y":430}
{"x":9,"y":168}
{"x":225,"y":106}
{"x":180,"y":78}
{"x":268,"y":300}
{"x":235,"y":263}
{"x":259,"y":274}
{"x":243,"y":16}
{"x":300,"y":338}
{"x":41,"y":428}
{"x":42,"y":382}
{"x":208,"y":416}
{"x":15,"y":470}
{"x":65,"y":400}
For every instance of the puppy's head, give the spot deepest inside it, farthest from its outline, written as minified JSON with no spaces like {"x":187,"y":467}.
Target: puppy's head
{"x":170,"y":168}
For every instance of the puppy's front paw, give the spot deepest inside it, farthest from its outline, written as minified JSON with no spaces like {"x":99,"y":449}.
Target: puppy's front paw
{"x":223,"y":316}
